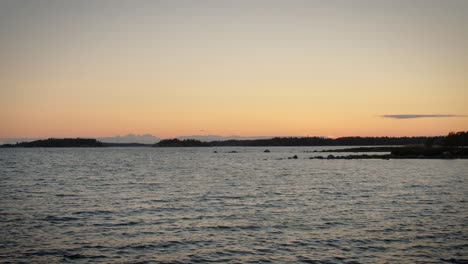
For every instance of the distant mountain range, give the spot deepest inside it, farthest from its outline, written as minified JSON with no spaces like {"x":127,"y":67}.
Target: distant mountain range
{"x":142,"y":139}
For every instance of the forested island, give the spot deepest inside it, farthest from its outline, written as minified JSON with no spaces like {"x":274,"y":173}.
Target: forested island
{"x":452,"y":139}
{"x":302,"y":141}
{"x":71,"y":143}
{"x":442,"y":147}
{"x":58,"y":143}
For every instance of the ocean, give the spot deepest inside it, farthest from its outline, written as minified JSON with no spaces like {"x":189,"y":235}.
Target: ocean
{"x":192,"y":205}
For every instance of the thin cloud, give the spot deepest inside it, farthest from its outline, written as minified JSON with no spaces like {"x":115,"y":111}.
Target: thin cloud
{"x":419,"y":116}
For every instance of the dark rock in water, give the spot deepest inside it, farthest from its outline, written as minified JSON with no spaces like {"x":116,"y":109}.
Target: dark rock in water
{"x":267,"y":151}
{"x":215,"y":151}
{"x":233,"y":151}
{"x":294,"y":157}
{"x":330,"y":157}
{"x":447,"y":155}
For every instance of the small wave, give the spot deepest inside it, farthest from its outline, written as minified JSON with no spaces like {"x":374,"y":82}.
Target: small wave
{"x":42,"y":253}
{"x":92,"y":247}
{"x":208,"y":259}
{"x":166,"y":244}
{"x":66,"y":195}
{"x":55,"y":219}
{"x":233,"y":228}
{"x":81,"y":256}
{"x":308,"y":260}
{"x":97,"y":212}
{"x":131,"y":223}
{"x":456,"y":261}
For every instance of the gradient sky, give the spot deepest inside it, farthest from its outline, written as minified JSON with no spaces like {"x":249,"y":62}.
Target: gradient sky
{"x":170,"y":68}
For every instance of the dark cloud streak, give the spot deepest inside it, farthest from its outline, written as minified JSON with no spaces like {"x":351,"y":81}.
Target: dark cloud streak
{"x":410,"y":116}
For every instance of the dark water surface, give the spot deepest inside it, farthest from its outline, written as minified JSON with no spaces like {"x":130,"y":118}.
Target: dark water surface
{"x":189,"y":205}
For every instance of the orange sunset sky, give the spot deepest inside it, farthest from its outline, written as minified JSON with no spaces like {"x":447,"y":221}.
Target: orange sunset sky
{"x":249,"y":68}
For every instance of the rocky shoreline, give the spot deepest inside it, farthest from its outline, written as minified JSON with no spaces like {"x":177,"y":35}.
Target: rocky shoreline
{"x":400,"y":153}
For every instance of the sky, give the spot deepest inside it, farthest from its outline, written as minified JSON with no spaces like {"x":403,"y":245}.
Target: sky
{"x":249,"y":68}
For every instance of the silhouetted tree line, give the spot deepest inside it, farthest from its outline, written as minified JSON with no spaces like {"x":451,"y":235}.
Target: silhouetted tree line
{"x":457,"y":139}
{"x":58,"y":143}
{"x":440,"y":152}
{"x":304,"y":141}
{"x":182,"y":143}
{"x":320,"y":141}
{"x":453,"y":139}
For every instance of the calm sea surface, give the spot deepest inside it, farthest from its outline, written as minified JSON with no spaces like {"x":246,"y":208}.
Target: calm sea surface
{"x":191,"y":205}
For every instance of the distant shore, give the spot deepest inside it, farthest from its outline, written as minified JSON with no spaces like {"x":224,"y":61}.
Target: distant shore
{"x":391,"y":152}
{"x":58,"y":143}
{"x":404,"y":152}
{"x":373,"y":144}
{"x":271,"y":142}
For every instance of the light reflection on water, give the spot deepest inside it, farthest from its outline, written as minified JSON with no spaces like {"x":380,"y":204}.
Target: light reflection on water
{"x":127,"y":205}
